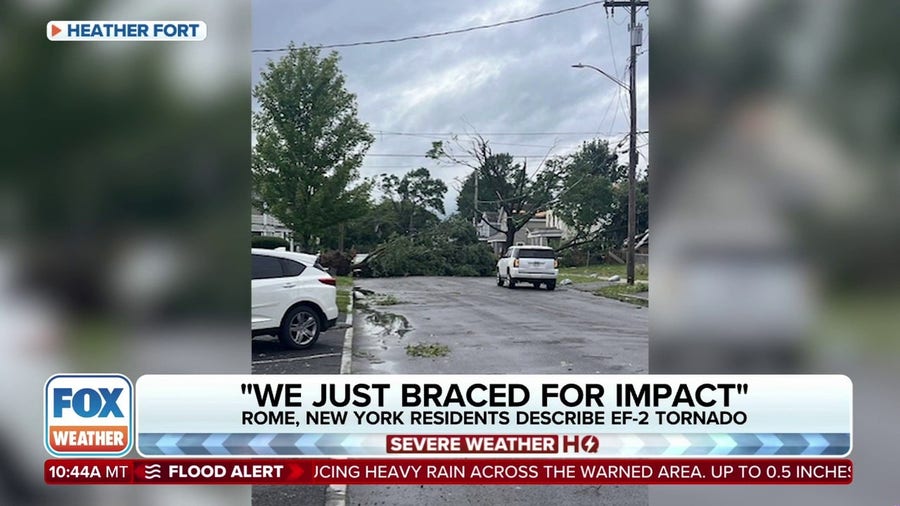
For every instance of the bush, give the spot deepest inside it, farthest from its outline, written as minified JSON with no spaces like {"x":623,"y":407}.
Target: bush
{"x":268,"y":242}
{"x":467,"y":270}
{"x":339,"y":264}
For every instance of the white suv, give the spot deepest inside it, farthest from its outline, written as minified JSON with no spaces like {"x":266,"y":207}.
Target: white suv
{"x":529,"y":264}
{"x":292,"y":297}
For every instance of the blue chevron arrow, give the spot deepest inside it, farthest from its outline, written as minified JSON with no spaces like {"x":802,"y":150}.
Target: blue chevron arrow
{"x":838,"y":444}
{"x":192,"y":444}
{"x":307,"y":444}
{"x":747,"y":444}
{"x":215,"y":444}
{"x":816,"y":444}
{"x":724,"y":444}
{"x":792,"y":444}
{"x":239,"y":444}
{"x":770,"y":444}
{"x":168,"y":444}
{"x":147,"y":444}
{"x":260,"y":444}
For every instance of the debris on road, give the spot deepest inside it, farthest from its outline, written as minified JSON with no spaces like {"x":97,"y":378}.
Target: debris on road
{"x":427,"y":350}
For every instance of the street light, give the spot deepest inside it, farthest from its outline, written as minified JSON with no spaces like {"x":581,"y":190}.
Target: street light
{"x":632,"y":159}
{"x":613,"y":79}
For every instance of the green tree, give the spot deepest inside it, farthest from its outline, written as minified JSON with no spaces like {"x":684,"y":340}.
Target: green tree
{"x":415,"y":198}
{"x":517,"y":193}
{"x":616,"y":231}
{"x":465,"y":200}
{"x":448,"y":248}
{"x":364,"y":233}
{"x":309,"y":145}
{"x":590,"y":179}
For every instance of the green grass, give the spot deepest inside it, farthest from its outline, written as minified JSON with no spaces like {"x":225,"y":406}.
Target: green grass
{"x":621,"y":291}
{"x":344,"y":291}
{"x":603,"y":271}
{"x":427,"y":350}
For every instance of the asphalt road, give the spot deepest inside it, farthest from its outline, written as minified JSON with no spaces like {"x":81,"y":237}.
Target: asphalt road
{"x":269,"y":357}
{"x":489,"y":329}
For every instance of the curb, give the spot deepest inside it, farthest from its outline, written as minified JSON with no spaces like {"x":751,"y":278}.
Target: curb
{"x":336,"y":495}
{"x":347,"y":354}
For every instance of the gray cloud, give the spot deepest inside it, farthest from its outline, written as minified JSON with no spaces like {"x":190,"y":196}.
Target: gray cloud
{"x":514,"y":78}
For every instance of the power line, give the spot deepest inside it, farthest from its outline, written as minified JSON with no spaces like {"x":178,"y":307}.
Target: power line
{"x":437,"y":137}
{"x":435,"y":34}
{"x":464,"y":134}
{"x":612,"y":50}
{"x":411,"y":155}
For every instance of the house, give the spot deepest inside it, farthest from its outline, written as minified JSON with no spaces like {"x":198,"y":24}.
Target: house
{"x":483,"y":226}
{"x":536,"y":232}
{"x":262,"y":223}
{"x":554,"y":221}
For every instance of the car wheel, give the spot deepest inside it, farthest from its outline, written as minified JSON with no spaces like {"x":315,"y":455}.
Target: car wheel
{"x":551,"y":285}
{"x":510,"y":282}
{"x":499,"y":280}
{"x":301,"y":328}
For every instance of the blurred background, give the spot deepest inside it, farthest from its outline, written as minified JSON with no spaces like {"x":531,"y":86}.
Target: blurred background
{"x":774,"y":210}
{"x":124,"y":207}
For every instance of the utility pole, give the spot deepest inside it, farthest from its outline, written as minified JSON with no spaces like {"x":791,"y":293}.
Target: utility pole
{"x":477,"y":218}
{"x":636,"y":37}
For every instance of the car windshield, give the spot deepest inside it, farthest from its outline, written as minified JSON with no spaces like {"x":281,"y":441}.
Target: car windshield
{"x":536,"y":253}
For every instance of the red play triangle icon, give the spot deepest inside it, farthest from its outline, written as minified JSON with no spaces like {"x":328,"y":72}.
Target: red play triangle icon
{"x":54,"y":30}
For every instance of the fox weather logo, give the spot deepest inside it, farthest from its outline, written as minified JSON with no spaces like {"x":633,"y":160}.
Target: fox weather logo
{"x":88,"y":415}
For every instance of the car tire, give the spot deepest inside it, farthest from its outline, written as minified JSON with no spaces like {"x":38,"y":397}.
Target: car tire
{"x":300,"y":328}
{"x":551,"y":285}
{"x":510,"y":282}
{"x":499,"y":280}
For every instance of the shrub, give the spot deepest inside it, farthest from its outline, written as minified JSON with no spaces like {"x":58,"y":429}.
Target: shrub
{"x":268,"y":242}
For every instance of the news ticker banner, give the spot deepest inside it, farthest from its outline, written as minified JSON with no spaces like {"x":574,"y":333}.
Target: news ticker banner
{"x":433,"y":471}
{"x":502,"y":416}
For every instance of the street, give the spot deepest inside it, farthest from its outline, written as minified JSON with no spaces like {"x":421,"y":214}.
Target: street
{"x":489,"y":329}
{"x":269,"y":357}
{"x":470,"y":325}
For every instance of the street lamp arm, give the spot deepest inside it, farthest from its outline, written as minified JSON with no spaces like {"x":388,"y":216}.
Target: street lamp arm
{"x":613,"y":79}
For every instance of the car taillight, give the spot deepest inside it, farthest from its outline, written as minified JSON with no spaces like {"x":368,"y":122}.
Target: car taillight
{"x":328,"y":281}
{"x":555,"y":263}
{"x":516,"y":262}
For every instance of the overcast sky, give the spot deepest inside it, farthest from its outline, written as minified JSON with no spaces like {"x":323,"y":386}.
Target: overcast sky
{"x":509,"y":79}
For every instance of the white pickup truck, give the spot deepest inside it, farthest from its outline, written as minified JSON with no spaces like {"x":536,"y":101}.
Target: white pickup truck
{"x":528,"y":264}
